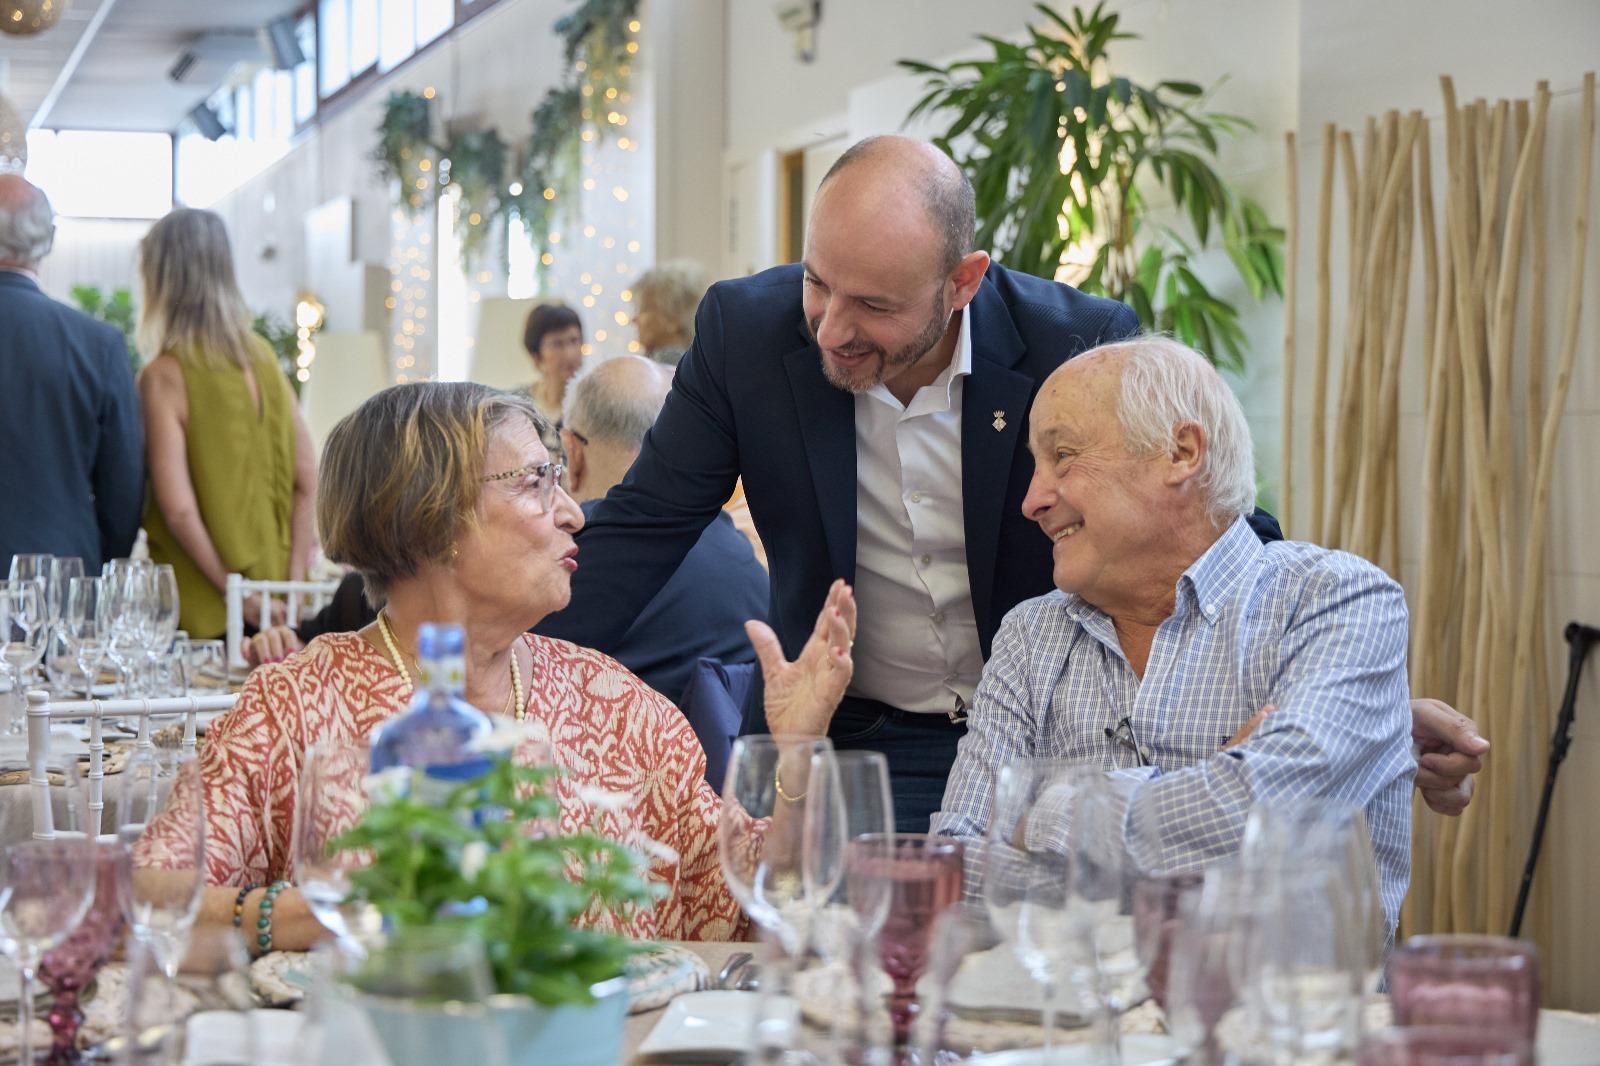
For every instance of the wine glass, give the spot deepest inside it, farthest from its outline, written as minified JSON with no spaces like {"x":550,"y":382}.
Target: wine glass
{"x":161,"y":819}
{"x":848,"y":821}
{"x":205,"y":667}
{"x":128,"y":591}
{"x":70,"y":968}
{"x":22,"y":639}
{"x":63,"y":568}
{"x":46,"y":886}
{"x":1205,"y":967}
{"x":921,"y":876}
{"x":86,"y":624}
{"x":31,"y":567}
{"x":159,"y":622}
{"x":1027,"y":879}
{"x":334,"y":780}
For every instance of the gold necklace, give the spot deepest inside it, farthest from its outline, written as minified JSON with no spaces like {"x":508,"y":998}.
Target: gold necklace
{"x":519,"y":705}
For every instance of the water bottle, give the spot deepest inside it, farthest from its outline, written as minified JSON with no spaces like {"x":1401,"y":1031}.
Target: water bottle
{"x":434,"y":736}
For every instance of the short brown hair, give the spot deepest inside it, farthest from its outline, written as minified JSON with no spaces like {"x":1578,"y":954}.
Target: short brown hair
{"x":400,"y":476}
{"x":548,"y":318}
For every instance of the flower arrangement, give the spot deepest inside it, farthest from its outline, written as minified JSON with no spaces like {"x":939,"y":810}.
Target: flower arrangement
{"x":484,"y":859}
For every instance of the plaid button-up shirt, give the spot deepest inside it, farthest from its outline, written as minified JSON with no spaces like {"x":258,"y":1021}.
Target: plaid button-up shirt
{"x":1319,"y":634}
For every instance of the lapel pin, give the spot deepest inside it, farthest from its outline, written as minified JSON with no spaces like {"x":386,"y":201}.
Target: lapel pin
{"x":999,"y":422}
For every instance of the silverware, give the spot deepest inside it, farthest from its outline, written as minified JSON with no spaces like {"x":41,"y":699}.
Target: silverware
{"x":736,"y":962}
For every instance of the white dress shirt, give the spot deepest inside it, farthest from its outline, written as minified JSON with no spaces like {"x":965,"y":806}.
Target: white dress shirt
{"x":917,"y":644}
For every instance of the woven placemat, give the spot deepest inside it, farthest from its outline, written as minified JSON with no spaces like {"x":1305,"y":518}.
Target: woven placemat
{"x":115,"y":758}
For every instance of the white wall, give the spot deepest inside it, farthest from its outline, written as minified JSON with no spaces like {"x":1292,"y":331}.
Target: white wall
{"x":1289,"y":66}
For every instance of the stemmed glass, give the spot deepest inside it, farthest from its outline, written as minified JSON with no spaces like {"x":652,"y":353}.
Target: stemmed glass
{"x":1205,"y":969}
{"x":22,"y":639}
{"x":86,"y":623}
{"x":850,"y":820}
{"x":158,"y":623}
{"x":161,"y":791}
{"x":70,"y":968}
{"x":46,"y":886}
{"x":333,"y":794}
{"x":128,"y":593}
{"x":205,"y":667}
{"x":58,"y":655}
{"x":31,"y":567}
{"x":1027,"y":879}
{"x":773,"y":783}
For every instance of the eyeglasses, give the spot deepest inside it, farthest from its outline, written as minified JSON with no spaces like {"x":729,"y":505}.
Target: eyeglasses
{"x":1123,"y":734}
{"x":548,"y":477}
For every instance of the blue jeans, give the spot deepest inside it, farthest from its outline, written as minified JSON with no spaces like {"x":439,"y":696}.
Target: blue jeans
{"x":920,"y":749}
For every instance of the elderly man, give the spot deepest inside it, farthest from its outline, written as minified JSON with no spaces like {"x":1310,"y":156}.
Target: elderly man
{"x":1172,"y":624}
{"x":73,"y":476}
{"x":874,"y":400}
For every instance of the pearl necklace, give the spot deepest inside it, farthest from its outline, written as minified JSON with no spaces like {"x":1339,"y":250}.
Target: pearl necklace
{"x":519,"y":705}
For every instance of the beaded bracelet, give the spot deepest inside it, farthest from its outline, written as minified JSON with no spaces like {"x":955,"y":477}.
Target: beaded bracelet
{"x":238,"y":903}
{"x":264,"y":922}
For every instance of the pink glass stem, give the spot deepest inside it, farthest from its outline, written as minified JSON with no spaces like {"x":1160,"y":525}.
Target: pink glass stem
{"x":71,"y":966}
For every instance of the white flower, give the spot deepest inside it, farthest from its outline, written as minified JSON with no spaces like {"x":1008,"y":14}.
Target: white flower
{"x":473,"y":856}
{"x":604,"y":799}
{"x":386,"y":786}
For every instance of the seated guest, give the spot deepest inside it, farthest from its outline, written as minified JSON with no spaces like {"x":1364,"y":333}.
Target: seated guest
{"x":553,"y":337}
{"x":701,"y":611}
{"x":664,"y":303}
{"x":73,"y":473}
{"x":1173,"y":624}
{"x":444,"y":499}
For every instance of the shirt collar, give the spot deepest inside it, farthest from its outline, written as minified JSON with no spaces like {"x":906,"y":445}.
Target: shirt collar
{"x":960,"y":367}
{"x":1214,"y":577}
{"x":1210,"y":582}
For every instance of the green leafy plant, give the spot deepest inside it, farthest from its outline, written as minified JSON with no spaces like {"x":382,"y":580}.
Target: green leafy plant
{"x":404,"y":141}
{"x":449,"y":864}
{"x":549,"y":160}
{"x":477,"y":167}
{"x":285,"y":344}
{"x":117,"y":310}
{"x":1070,"y":161}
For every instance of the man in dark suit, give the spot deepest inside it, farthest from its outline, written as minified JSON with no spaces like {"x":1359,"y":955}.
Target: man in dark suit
{"x":72,"y":480}
{"x":874,"y":399}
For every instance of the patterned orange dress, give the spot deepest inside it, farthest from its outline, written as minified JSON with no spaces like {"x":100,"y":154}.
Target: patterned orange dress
{"x":610,"y":732}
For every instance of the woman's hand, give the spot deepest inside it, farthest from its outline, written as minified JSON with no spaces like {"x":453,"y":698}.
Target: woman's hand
{"x":271,"y":645}
{"x":801,"y":695}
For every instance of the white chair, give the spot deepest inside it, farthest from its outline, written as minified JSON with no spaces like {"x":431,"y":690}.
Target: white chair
{"x":41,"y":712}
{"x":301,"y":596}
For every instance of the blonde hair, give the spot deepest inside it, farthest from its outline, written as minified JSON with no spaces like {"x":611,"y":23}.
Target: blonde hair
{"x":192,"y":304}
{"x":400,"y":476}
{"x":676,"y":288}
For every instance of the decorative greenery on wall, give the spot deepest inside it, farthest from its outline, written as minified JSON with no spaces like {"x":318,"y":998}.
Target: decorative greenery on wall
{"x":597,"y":40}
{"x":1066,"y":158}
{"x":284,"y":341}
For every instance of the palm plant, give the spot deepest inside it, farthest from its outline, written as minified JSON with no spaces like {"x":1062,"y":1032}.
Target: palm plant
{"x":1068,"y":161}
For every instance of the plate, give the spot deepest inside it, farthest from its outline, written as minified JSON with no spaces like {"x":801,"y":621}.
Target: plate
{"x":1137,"y":1050}
{"x":701,"y":1024}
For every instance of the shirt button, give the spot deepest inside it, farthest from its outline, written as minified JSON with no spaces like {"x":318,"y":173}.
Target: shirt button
{"x":926,"y":559}
{"x":916,"y":497}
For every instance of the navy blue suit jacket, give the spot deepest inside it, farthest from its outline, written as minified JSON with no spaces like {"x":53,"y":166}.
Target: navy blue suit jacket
{"x":73,"y":474}
{"x":750,"y":400}
{"x":699,"y":612}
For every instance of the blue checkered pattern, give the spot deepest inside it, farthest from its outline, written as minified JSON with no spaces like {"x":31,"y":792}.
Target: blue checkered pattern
{"x":1319,"y":634}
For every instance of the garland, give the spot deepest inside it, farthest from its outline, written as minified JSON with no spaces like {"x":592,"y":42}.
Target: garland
{"x":597,"y":40}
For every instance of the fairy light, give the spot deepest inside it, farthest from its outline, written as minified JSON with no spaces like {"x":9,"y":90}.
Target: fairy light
{"x":309,"y":314}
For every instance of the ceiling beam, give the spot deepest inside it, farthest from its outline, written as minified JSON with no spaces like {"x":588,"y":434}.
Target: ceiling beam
{"x":70,"y":67}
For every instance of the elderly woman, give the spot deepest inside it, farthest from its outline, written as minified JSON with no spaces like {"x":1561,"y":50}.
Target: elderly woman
{"x":445,"y":500}
{"x":664,"y":303}
{"x":553,"y":336}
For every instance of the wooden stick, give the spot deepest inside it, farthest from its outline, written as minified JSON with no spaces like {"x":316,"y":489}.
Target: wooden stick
{"x":1542,"y":703}
{"x":1348,"y":427}
{"x":1290,"y":312}
{"x":1430,"y":251}
{"x":1319,"y":409}
{"x":1533,"y":558}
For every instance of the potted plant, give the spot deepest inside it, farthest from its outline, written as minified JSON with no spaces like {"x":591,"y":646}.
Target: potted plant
{"x":1071,"y":162}
{"x":486,"y":862}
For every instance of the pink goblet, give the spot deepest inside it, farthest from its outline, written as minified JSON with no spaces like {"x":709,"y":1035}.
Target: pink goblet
{"x":1431,"y":1045}
{"x":70,"y":967}
{"x":923,"y":874}
{"x":1466,"y":981}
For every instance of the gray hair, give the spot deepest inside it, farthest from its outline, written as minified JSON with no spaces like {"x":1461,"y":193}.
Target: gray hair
{"x":27,"y":226}
{"x":676,"y":287}
{"x":616,"y":400}
{"x":1166,"y":383}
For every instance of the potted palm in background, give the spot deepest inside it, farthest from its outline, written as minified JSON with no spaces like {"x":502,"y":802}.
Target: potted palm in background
{"x":1073,"y":166}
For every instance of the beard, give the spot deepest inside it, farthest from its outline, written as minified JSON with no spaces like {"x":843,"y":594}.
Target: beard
{"x":874,"y":370}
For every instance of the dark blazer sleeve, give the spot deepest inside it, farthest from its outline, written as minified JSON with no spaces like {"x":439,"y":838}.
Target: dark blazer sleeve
{"x":118,"y":472}
{"x":347,"y":612}
{"x":686,"y":470}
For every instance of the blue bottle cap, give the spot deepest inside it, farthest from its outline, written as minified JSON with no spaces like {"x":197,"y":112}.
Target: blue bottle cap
{"x":437,"y":640}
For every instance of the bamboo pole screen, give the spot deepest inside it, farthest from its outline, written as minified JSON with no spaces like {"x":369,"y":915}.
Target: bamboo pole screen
{"x":1491,"y":416}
